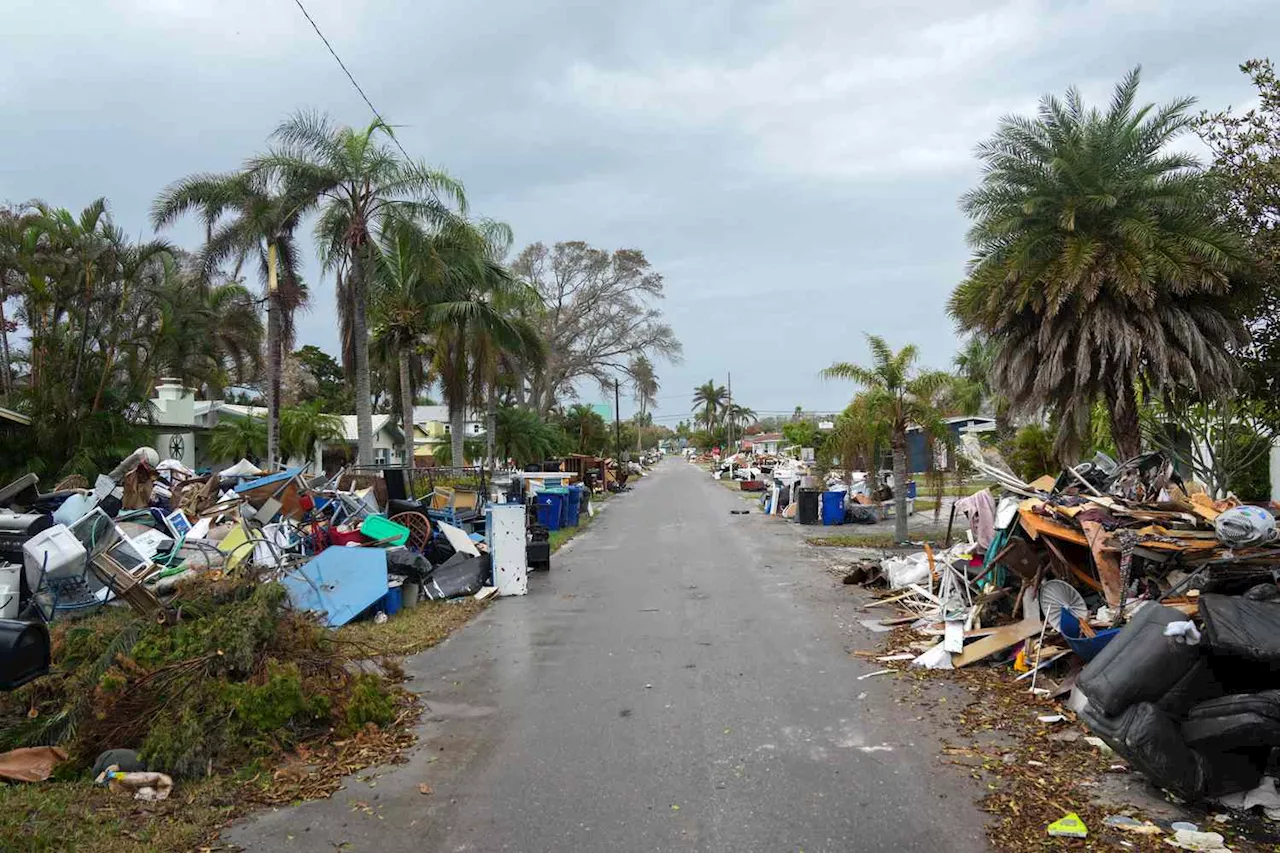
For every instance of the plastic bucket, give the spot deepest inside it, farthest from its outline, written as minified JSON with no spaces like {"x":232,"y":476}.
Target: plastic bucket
{"x":833,"y":508}
{"x":392,"y":601}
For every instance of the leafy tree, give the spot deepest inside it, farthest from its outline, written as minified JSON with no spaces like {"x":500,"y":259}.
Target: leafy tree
{"x":586,"y":429}
{"x":709,"y":401}
{"x":238,"y":438}
{"x":1031,"y":453}
{"x":599,"y":315}
{"x":897,"y":395}
{"x":1246,"y":172}
{"x":1098,"y":269}
{"x":858,"y":435}
{"x":332,"y":393}
{"x":801,"y":433}
{"x":359,"y":184}
{"x":1221,"y":442}
{"x":247,"y":215}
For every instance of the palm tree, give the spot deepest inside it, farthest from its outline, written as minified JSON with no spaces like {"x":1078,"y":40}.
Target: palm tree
{"x":644,"y":382}
{"x":478,"y":321}
{"x":711,"y":399}
{"x":360,"y":184}
{"x":899,"y":395}
{"x":305,"y":426}
{"x":238,"y":438}
{"x":246,"y":214}
{"x":402,"y":291}
{"x":739,"y":415}
{"x":1098,"y":268}
{"x":585,"y":424}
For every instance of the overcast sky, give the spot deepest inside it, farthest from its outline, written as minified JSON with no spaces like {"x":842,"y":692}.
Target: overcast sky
{"x":791,"y":168}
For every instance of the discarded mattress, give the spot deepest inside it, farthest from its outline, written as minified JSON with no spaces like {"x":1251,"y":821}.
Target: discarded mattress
{"x":1240,"y":627}
{"x":340,"y":583}
{"x":458,"y":576}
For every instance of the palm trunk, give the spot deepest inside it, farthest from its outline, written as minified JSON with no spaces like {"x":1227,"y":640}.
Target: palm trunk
{"x":639,"y":427}
{"x":7,"y":387}
{"x":457,"y":423}
{"x":900,"y":486}
{"x":1122,"y":406}
{"x":491,"y":428}
{"x":273,"y":382}
{"x":406,"y":407}
{"x":360,"y":343}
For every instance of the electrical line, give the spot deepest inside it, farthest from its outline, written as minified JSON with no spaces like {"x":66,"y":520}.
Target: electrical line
{"x":343,"y":66}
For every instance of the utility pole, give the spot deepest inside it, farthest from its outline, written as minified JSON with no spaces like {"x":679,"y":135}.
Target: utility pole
{"x":617,"y":426}
{"x":729,"y":433}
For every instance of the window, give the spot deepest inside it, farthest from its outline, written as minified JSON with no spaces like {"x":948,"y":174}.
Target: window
{"x":381,"y":455}
{"x":446,"y":429}
{"x":475,"y":429}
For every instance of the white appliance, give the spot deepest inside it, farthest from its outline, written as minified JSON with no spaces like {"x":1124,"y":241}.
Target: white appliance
{"x":505,"y":526}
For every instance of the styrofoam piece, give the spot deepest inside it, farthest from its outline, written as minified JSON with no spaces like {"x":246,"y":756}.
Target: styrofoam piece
{"x":935,"y":658}
{"x":458,"y":538}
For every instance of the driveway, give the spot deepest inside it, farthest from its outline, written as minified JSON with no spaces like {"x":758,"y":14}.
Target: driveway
{"x":678,"y":682}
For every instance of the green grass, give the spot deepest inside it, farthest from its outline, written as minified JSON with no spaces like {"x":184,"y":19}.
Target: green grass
{"x":865,"y":540}
{"x":412,"y":630}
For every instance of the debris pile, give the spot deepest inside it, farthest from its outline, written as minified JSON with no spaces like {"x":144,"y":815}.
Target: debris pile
{"x":1149,"y":603}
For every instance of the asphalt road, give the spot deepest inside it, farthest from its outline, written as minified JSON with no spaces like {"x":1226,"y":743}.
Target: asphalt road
{"x":678,"y":682}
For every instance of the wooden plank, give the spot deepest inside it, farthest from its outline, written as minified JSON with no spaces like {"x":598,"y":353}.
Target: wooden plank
{"x":1003,"y":638}
{"x":1071,"y":567}
{"x":1036,"y":525}
{"x":1105,"y":560}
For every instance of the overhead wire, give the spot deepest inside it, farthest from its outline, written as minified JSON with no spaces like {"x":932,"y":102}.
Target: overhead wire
{"x":350,"y":77}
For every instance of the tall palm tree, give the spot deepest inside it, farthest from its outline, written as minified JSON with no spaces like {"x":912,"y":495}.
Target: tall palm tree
{"x":403,"y":289}
{"x":711,"y":399}
{"x":644,"y":382}
{"x":478,"y":320}
{"x":739,"y":415}
{"x":360,"y":184}
{"x":1098,"y":268}
{"x":900,"y":396}
{"x":248,"y":215}
{"x":585,"y":424}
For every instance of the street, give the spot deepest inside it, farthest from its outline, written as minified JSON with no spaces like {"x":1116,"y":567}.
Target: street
{"x":679,"y":681}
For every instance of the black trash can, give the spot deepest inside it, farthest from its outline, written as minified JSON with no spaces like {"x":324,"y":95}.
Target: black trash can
{"x":807,"y":512}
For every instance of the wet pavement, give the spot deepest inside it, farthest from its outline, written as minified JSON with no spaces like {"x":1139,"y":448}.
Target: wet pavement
{"x":679,"y":681}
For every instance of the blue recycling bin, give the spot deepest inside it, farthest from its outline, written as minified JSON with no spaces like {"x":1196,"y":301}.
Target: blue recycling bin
{"x":550,"y":505}
{"x":833,"y":508}
{"x":563,"y":492}
{"x":911,"y":488}
{"x":575,"y":505}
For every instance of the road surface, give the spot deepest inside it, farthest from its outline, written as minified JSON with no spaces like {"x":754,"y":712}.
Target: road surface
{"x":678,"y":682}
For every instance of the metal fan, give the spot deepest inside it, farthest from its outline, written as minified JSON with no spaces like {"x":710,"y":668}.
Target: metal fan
{"x":1057,"y":596}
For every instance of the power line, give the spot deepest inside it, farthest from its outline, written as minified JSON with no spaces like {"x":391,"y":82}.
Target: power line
{"x":343,"y":66}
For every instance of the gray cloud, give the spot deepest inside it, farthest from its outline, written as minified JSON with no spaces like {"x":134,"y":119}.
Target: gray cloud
{"x":791,"y":167}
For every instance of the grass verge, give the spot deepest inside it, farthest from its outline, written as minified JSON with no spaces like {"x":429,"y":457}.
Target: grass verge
{"x":866,"y":540}
{"x":410,"y":631}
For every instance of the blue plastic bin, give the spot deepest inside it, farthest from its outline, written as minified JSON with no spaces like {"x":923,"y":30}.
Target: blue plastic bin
{"x":550,"y":506}
{"x":575,"y":504}
{"x":563,"y":492}
{"x":911,"y":488}
{"x":393,"y":601}
{"x":833,"y":508}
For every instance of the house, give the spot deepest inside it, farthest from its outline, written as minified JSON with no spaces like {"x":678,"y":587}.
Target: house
{"x":432,"y":427}
{"x":917,"y":459}
{"x":184,"y":425}
{"x":766,"y":443}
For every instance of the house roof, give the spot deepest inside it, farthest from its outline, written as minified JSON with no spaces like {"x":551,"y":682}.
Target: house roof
{"x":351,"y":432}
{"x":763,"y":437}
{"x":14,"y":417}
